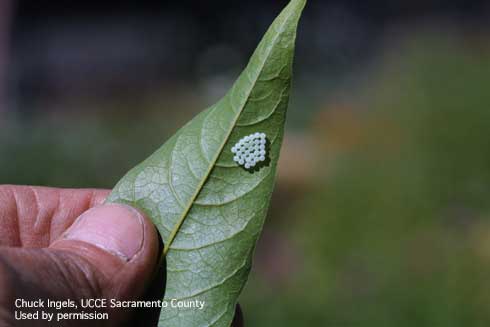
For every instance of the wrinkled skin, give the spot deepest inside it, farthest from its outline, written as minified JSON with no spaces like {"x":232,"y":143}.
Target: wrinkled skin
{"x":42,"y":256}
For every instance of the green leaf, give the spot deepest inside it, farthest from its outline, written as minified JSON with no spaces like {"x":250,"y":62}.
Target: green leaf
{"x":209,"y":210}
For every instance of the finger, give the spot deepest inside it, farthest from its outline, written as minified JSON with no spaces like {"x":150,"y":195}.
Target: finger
{"x":36,"y":216}
{"x":111,"y":251}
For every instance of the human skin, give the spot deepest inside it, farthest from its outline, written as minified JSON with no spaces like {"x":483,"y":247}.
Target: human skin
{"x":63,"y":244}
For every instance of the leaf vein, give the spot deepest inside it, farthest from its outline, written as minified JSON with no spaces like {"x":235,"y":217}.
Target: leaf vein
{"x":213,"y":162}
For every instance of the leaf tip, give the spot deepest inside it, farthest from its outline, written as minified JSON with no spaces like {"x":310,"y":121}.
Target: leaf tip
{"x":298,"y":5}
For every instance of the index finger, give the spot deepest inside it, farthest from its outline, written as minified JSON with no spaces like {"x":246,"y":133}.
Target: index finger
{"x":36,"y":216}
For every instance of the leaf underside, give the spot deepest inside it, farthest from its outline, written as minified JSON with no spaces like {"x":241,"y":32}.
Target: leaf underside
{"x":208,"y":210}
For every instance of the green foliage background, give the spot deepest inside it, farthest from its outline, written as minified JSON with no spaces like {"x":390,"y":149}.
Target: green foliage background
{"x":382,"y":217}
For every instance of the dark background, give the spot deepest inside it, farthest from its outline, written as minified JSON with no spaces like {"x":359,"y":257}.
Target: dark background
{"x":100,"y":48}
{"x":381,"y":215}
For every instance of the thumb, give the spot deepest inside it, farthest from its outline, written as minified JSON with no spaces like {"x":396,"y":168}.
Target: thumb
{"x":111,"y":251}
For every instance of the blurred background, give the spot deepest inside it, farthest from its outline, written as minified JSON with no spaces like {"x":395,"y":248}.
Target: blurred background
{"x":381,"y":216}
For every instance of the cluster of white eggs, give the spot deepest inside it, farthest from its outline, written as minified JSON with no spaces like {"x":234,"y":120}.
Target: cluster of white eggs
{"x":250,"y":150}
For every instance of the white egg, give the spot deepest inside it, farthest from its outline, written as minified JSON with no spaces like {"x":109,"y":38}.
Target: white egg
{"x":250,"y":150}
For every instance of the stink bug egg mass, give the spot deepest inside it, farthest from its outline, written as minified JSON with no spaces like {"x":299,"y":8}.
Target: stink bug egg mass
{"x":250,"y":150}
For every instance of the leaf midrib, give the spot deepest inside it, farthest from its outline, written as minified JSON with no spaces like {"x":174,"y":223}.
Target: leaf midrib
{"x":212,"y":163}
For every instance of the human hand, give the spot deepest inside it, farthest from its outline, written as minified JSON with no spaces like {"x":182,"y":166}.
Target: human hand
{"x":62,"y":244}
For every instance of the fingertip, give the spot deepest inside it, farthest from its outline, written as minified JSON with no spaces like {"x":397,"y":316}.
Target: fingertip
{"x":120,"y":242}
{"x":115,"y":228}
